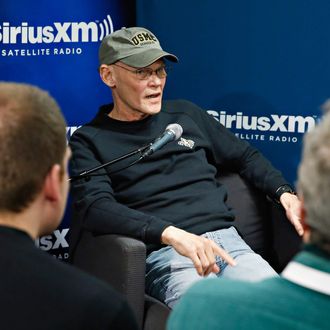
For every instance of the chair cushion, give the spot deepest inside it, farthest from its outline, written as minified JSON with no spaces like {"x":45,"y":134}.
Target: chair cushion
{"x":252,"y":213}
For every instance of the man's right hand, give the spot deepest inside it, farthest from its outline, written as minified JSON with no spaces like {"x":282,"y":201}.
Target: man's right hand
{"x":200,"y":250}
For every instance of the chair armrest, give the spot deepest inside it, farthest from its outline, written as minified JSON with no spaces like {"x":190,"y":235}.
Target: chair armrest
{"x":156,"y":314}
{"x":118,"y":260}
{"x":252,"y":212}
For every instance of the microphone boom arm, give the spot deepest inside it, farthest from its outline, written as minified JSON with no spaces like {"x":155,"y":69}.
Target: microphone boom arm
{"x":172,"y":132}
{"x":111,"y":162}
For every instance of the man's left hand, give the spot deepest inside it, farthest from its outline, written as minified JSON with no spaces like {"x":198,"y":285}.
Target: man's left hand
{"x":292,"y":206}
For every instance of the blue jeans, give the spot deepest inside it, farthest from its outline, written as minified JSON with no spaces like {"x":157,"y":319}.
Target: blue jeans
{"x":170,"y":274}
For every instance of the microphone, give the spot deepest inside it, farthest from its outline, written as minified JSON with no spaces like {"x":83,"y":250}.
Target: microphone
{"x":171,"y":133}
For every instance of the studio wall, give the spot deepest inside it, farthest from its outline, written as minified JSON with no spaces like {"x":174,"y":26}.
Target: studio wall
{"x":259,"y":67}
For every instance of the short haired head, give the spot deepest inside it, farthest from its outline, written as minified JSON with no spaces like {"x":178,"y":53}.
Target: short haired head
{"x":314,"y":179}
{"x":32,"y":140}
{"x":135,"y":46}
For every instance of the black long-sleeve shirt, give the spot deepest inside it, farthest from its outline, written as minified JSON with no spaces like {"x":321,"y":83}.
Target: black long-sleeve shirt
{"x":175,"y":186}
{"x":39,"y":292}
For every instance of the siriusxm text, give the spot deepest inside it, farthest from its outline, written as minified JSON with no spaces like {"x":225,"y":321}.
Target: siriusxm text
{"x":58,"y":32}
{"x":272,"y":122}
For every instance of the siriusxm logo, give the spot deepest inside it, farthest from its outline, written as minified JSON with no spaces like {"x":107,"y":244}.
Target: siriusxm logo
{"x":272,"y":123}
{"x":58,"y":32}
{"x":55,"y":241}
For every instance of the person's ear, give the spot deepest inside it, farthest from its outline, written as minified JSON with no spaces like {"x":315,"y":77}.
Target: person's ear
{"x":107,"y":75}
{"x":51,"y":202}
{"x":52,"y":184}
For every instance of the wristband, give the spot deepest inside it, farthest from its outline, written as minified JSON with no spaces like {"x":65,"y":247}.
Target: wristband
{"x":281,"y":190}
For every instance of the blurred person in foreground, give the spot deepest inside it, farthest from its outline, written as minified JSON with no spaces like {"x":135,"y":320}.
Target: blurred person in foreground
{"x":36,"y":290}
{"x":300,"y":298}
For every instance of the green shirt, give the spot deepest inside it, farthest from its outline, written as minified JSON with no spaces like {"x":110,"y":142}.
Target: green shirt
{"x":276,"y":303}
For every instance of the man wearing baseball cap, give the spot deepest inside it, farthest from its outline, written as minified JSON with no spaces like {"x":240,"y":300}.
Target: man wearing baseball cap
{"x":169,"y":199}
{"x":135,"y":47}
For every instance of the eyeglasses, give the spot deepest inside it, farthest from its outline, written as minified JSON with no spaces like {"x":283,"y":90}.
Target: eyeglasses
{"x":146,"y":73}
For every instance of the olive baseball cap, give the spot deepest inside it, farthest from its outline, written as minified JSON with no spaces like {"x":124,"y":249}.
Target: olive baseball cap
{"x":135,"y":46}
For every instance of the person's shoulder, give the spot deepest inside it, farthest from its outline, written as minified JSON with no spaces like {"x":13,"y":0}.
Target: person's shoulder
{"x":180,"y":105}
{"x":274,"y":302}
{"x":86,"y":292}
{"x":103,"y":303}
{"x":186,"y":108}
{"x":68,"y":274}
{"x":53,"y":274}
{"x":213,"y":300}
{"x":250,"y":293}
{"x":36,"y":278}
{"x":197,"y":114}
{"x":93,"y":126}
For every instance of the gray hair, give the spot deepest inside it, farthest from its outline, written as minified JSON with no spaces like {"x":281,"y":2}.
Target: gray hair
{"x":314,"y":180}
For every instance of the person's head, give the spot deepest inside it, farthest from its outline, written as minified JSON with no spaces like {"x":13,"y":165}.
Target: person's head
{"x":314,"y":183}
{"x":34,"y":153}
{"x":132,"y":64}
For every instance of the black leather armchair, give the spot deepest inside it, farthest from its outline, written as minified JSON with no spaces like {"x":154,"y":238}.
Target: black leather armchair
{"x":120,"y":261}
